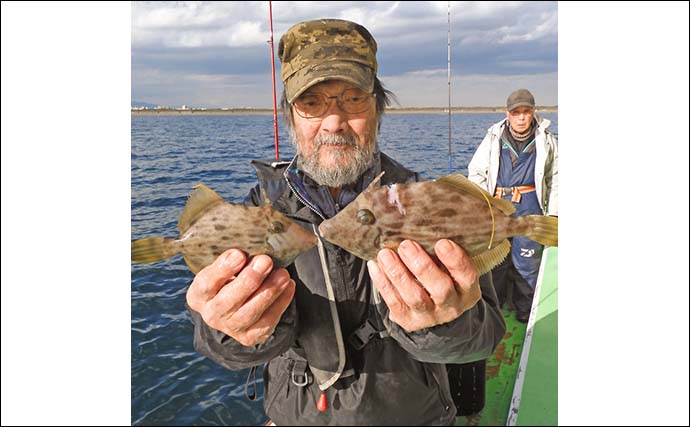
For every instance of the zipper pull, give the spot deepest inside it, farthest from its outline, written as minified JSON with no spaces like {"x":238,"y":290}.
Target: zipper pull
{"x":322,"y":404}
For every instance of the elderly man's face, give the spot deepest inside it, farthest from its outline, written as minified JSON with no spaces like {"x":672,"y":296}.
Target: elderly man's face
{"x":520,"y":118}
{"x":337,"y":147}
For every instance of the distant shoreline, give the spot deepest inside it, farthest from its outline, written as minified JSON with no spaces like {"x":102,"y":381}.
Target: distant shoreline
{"x":261,"y":111}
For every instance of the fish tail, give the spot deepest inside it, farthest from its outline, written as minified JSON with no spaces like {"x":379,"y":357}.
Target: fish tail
{"x":543,"y":229}
{"x":152,"y":249}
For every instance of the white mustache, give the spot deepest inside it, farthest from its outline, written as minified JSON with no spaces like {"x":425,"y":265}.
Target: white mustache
{"x":335,"y":140}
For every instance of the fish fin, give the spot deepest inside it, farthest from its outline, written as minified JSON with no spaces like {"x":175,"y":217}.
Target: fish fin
{"x":194,"y":268}
{"x":461,"y":183}
{"x":489,"y":259}
{"x":198,"y":202}
{"x":543,"y":229}
{"x":152,"y":249}
{"x":391,"y":244}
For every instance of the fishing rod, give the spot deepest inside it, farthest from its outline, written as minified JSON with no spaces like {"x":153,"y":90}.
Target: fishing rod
{"x":273,"y":77}
{"x":449,"y":107}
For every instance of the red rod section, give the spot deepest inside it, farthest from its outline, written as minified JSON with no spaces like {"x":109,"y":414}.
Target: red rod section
{"x":273,"y":76}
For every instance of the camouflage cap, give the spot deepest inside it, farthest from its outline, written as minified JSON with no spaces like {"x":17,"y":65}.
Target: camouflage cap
{"x":519,"y":98}
{"x":324,"y":49}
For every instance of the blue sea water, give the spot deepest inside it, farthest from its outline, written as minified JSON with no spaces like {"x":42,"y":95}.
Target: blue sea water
{"x":171,"y":384}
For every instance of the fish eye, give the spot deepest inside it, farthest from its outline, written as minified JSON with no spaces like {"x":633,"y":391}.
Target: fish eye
{"x":276,"y":227}
{"x":365,"y":217}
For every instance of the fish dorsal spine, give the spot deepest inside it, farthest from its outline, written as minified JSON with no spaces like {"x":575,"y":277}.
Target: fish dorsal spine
{"x":376,"y":183}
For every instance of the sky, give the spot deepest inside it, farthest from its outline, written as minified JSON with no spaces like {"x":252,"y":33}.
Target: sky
{"x":216,"y":54}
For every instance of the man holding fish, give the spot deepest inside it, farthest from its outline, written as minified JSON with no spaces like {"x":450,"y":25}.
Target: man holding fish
{"x":351,"y":337}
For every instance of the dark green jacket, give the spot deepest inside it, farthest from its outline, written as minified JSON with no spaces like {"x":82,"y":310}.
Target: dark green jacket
{"x":397,"y":378}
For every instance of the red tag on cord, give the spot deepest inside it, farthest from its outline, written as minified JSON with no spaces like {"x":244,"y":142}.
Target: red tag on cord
{"x":322,"y":404}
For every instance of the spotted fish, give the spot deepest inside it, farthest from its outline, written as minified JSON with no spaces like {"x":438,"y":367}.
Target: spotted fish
{"x":209,"y":226}
{"x":451,"y":207}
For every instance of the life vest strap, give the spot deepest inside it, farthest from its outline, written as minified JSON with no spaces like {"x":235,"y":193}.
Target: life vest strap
{"x":517,"y":192}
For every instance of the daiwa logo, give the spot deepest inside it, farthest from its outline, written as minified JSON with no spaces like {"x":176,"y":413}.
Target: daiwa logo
{"x":526,"y":253}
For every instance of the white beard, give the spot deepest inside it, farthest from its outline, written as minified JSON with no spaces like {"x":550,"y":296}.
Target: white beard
{"x":354,"y":162}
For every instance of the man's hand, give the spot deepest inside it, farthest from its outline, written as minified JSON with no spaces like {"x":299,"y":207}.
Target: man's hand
{"x":419,"y":294}
{"x":242,"y":301}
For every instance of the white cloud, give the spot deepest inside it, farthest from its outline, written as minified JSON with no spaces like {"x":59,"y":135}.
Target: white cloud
{"x":191,"y":42}
{"x":198,"y":24}
{"x":175,"y":23}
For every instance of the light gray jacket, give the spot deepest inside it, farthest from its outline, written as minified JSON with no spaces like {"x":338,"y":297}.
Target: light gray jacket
{"x":483,"y":169}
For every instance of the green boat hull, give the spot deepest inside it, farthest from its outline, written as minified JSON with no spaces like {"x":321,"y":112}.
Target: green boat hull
{"x":522,"y":374}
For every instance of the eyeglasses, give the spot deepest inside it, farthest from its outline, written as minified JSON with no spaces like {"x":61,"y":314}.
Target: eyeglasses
{"x":312,"y":105}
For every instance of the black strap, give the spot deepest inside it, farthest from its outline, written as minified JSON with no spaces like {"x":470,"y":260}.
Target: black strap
{"x":365,"y":333}
{"x":252,"y":373}
{"x":372,"y":326}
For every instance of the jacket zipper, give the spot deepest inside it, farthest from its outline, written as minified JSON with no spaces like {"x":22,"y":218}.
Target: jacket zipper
{"x":446,"y":406}
{"x":301,"y":199}
{"x":339,"y":259}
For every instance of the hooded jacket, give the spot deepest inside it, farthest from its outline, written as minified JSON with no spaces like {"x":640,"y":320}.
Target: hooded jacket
{"x":483,"y":168}
{"x":395,"y":377}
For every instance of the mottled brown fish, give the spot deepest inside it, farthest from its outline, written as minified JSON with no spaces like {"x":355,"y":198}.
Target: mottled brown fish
{"x":209,"y":226}
{"x":451,"y":207}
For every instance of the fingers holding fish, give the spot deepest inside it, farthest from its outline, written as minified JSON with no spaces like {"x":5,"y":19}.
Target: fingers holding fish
{"x":462,"y":269}
{"x":412,"y":292}
{"x":457,"y":261}
{"x":233,"y":296}
{"x":437,"y":283}
{"x":260,"y":331}
{"x":233,"y":289}
{"x":247,"y":309}
{"x":251,"y":277}
{"x":254,"y":322}
{"x":412,"y":313}
{"x":210,"y":280}
{"x":388,"y":292}
{"x":254,"y":307}
{"x":418,"y":293}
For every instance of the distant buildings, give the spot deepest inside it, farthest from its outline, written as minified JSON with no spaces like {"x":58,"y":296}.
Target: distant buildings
{"x":187,"y":110}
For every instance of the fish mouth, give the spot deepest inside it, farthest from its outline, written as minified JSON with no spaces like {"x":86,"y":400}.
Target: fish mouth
{"x":345,"y":239}
{"x":341,"y":240}
{"x":306,"y":239}
{"x":333,"y":236}
{"x":289,"y":245}
{"x":326,"y":231}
